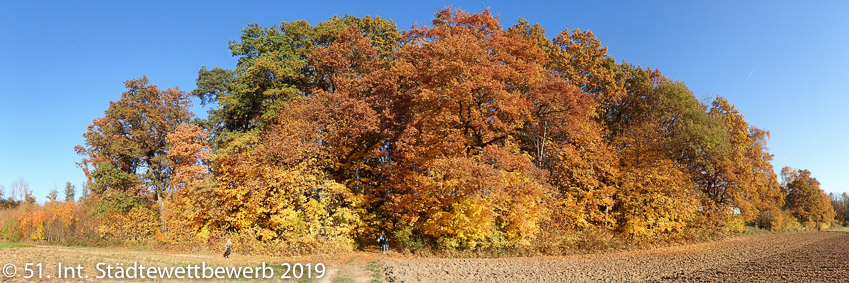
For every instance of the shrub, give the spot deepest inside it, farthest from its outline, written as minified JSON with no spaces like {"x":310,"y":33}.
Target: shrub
{"x":117,"y":201}
{"x":791,"y":223}
{"x":735,"y":224}
{"x":134,"y":226}
{"x":771,"y":220}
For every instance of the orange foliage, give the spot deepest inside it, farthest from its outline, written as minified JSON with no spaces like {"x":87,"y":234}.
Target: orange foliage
{"x":189,"y":153}
{"x":460,"y":135}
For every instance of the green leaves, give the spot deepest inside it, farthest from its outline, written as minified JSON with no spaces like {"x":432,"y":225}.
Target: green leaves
{"x":211,"y":84}
{"x":107,"y":177}
{"x":274,"y":68}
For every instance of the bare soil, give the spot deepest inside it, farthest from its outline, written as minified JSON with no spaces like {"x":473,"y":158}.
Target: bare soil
{"x":794,"y":257}
{"x":338,"y":268}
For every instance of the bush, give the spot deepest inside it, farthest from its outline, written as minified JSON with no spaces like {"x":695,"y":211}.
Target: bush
{"x":117,"y":201}
{"x":9,"y":230}
{"x":771,"y":220}
{"x":55,"y":222}
{"x":791,"y":223}
{"x":135,"y":226}
{"x":735,"y":224}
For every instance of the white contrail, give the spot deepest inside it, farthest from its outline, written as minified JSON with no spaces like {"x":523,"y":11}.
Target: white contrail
{"x":753,"y":71}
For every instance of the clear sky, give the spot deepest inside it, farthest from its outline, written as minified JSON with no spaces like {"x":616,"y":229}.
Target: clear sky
{"x":784,"y":64}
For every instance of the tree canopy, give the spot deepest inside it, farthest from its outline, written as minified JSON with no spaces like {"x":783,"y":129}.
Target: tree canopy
{"x":461,"y":134}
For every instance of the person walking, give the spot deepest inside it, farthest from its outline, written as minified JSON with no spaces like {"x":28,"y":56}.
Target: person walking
{"x":384,"y":242}
{"x":227,"y":248}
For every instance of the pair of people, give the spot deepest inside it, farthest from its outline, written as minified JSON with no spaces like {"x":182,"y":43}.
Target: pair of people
{"x":384,"y":243}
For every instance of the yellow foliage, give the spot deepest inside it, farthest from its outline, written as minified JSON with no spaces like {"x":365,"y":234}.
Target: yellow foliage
{"x":296,"y":207}
{"x":55,"y":222}
{"x":136,"y":225}
{"x":521,"y":213}
{"x":735,"y":224}
{"x":32,"y":224}
{"x":465,"y":225}
{"x":655,"y":195}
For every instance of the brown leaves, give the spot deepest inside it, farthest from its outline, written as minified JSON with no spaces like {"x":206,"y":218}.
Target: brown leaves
{"x":132,"y":133}
{"x":189,"y":154}
{"x":486,"y":119}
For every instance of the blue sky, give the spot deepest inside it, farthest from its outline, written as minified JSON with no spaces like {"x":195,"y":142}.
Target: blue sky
{"x":784,"y":64}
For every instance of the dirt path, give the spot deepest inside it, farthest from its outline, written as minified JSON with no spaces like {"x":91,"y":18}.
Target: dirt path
{"x":813,"y":256}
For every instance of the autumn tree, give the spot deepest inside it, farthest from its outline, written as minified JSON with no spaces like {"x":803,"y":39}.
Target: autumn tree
{"x":277,"y":68}
{"x":723,"y":156}
{"x":459,"y":175}
{"x":188,"y":154}
{"x":353,"y":110}
{"x":127,"y":149}
{"x":580,"y":57}
{"x":805,"y":199}
{"x":730,"y":184}
{"x":653,"y":124}
{"x":565,"y":135}
{"x":655,"y":197}
{"x":768,"y":195}
{"x":127,"y":146}
{"x":661,"y":132}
